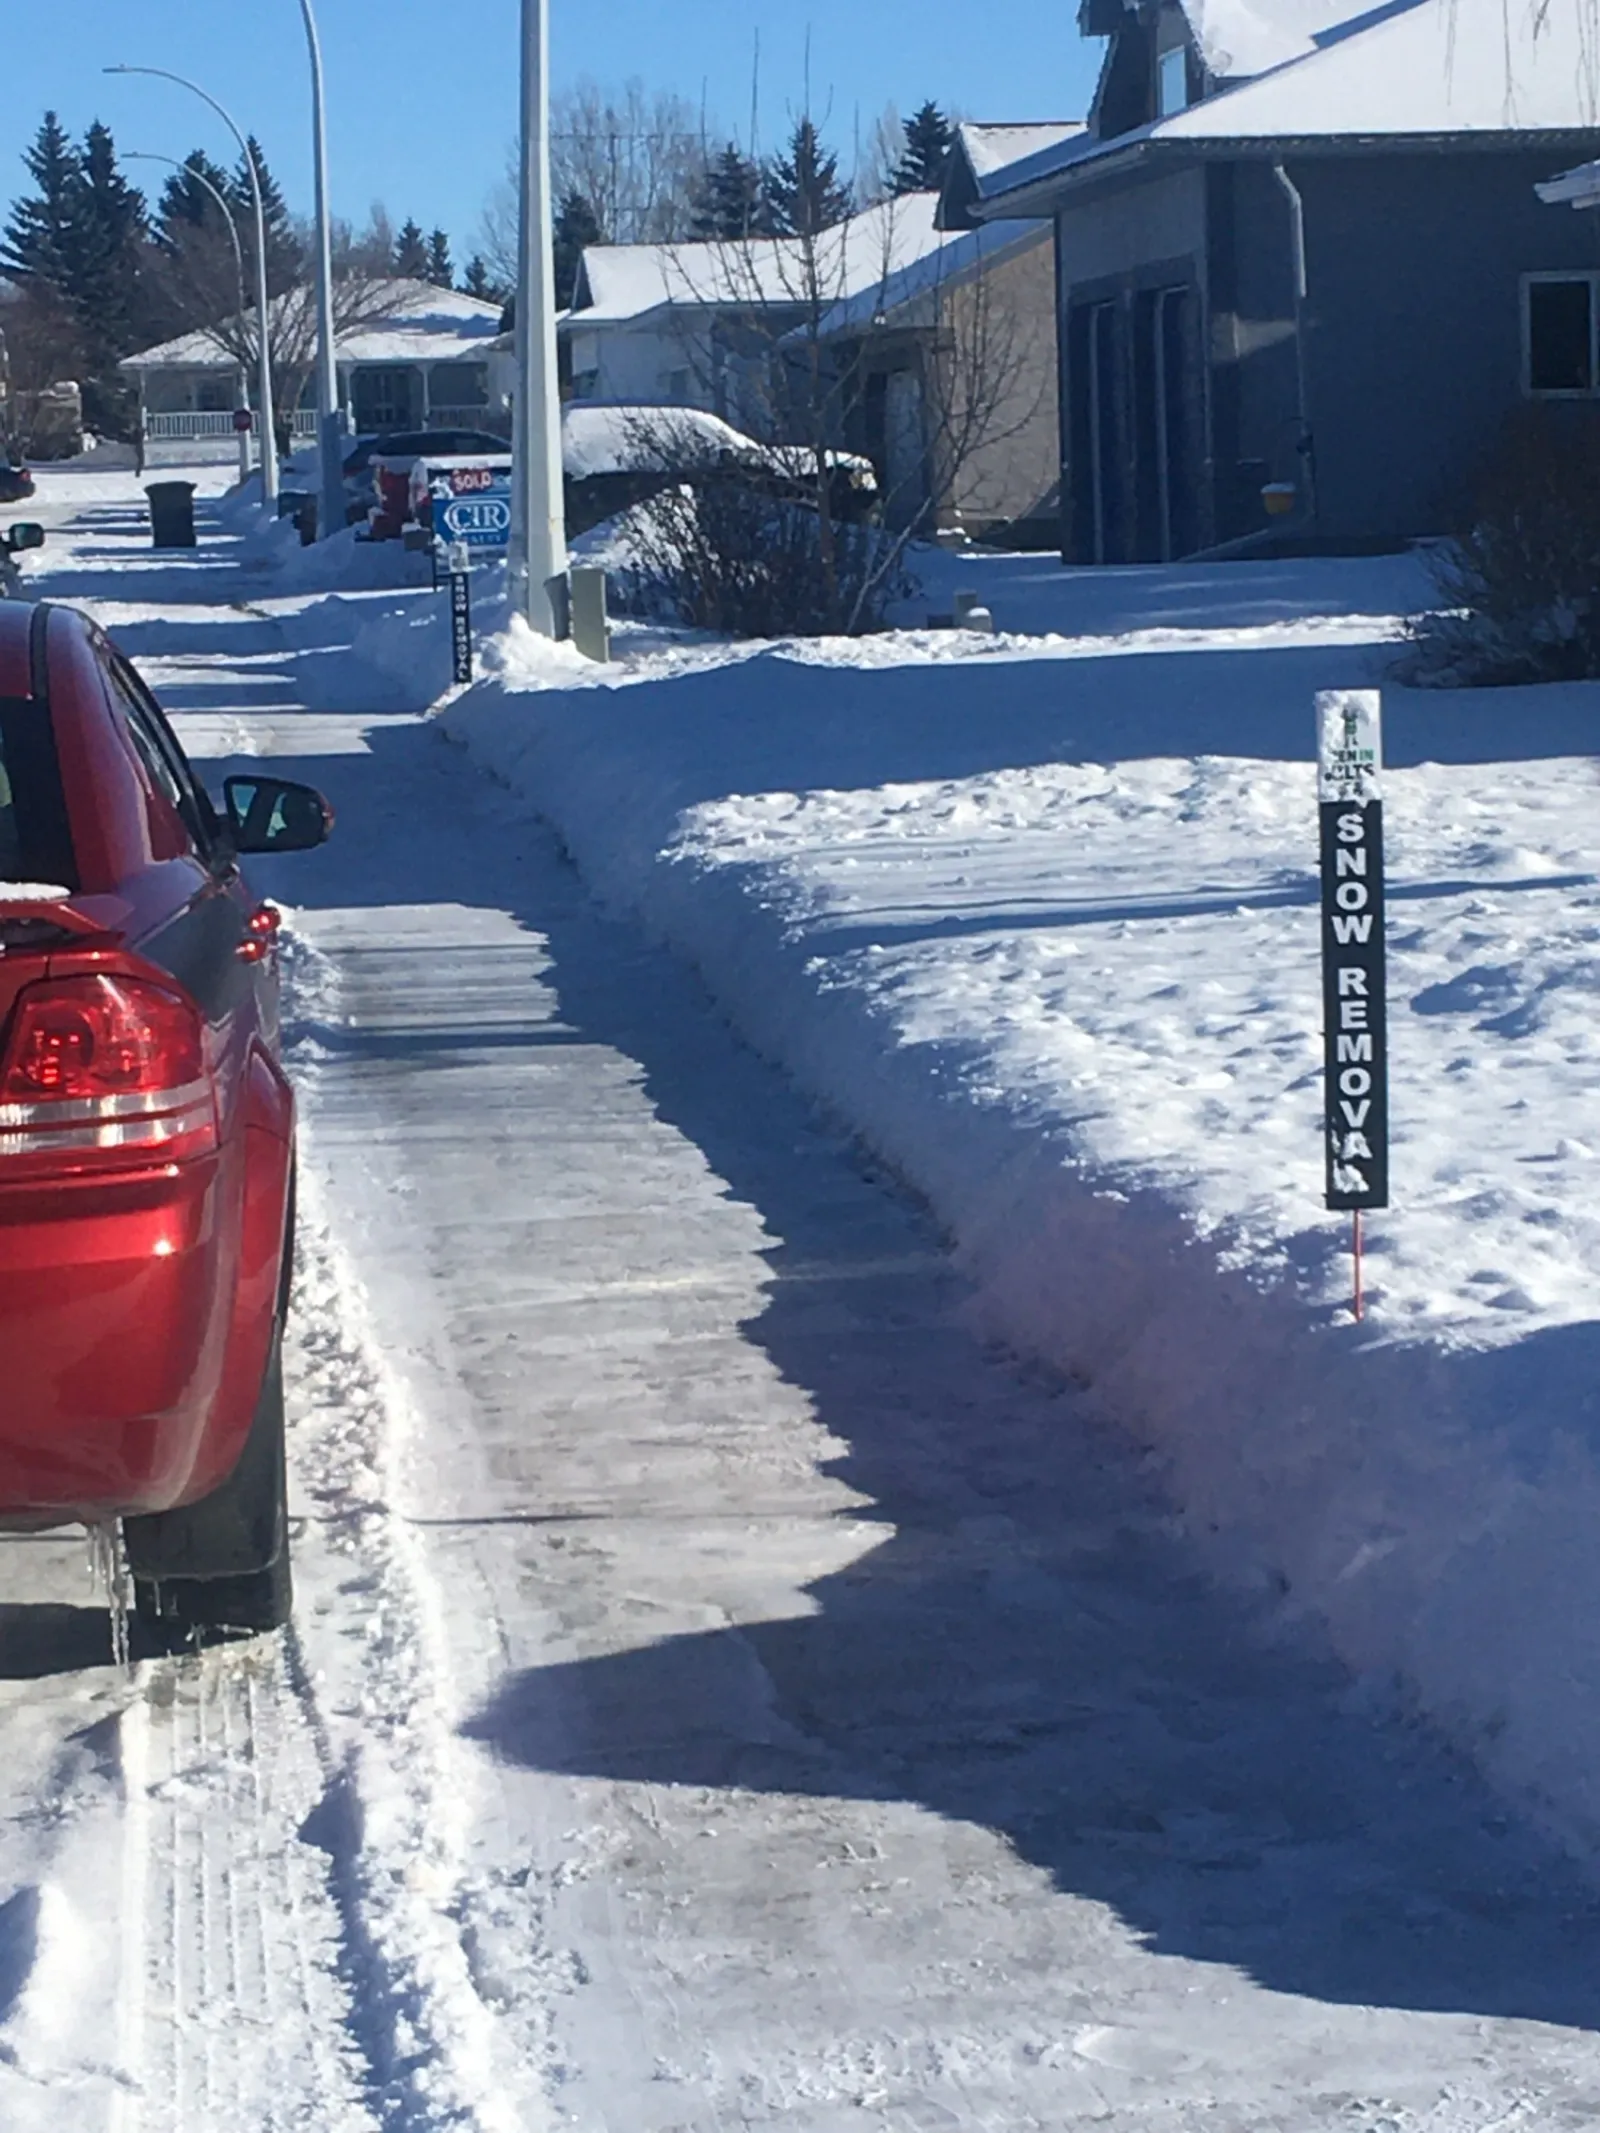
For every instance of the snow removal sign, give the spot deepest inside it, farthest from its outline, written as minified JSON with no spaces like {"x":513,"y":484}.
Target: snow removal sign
{"x":1354,"y":1002}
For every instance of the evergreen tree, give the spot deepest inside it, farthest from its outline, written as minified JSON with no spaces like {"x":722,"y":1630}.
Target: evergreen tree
{"x":576,"y":227}
{"x":731,"y":202}
{"x":285,"y":254}
{"x":440,"y":270}
{"x":411,"y":252}
{"x":40,"y":239}
{"x":106,"y":275}
{"x":804,"y":192}
{"x":929,"y":139}
{"x":185,"y":205}
{"x":476,"y":281}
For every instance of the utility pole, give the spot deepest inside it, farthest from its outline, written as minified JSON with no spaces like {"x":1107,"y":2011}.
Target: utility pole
{"x":330,"y":411}
{"x":538,"y":558}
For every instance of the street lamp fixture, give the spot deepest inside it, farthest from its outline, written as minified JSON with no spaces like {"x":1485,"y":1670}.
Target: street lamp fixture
{"x":198,"y":177}
{"x":269,"y":439}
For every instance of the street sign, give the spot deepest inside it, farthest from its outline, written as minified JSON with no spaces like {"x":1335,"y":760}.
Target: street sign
{"x":243,"y":420}
{"x":1354,"y":981}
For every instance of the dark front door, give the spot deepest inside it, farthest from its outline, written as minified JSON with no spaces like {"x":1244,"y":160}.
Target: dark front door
{"x":1165,"y":425}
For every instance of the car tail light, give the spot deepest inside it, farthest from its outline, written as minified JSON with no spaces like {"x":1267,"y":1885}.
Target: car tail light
{"x":101,"y":1069}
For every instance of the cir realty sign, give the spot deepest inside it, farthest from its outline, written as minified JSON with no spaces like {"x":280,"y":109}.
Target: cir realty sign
{"x":1354,"y":995}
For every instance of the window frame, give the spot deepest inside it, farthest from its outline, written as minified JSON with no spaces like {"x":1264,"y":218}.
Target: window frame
{"x":1178,"y":53}
{"x":1543,"y":277}
{"x":149,"y":728}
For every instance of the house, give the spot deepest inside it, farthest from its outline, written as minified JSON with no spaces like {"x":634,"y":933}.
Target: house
{"x":417,"y":356}
{"x":1304,"y":276}
{"x":896,"y":310}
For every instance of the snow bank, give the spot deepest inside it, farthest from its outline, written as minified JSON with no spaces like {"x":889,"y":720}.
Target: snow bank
{"x":1039,"y":919}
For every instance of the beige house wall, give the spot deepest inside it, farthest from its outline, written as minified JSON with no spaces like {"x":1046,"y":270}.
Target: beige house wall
{"x":997,"y":385}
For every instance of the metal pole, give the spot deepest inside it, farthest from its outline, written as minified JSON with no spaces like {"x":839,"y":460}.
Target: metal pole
{"x":138,"y":155}
{"x":330,"y":410}
{"x":538,"y":514}
{"x":1307,"y":442}
{"x":269,"y":441}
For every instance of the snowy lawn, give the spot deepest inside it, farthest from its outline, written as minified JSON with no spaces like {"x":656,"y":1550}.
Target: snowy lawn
{"x":1038,"y":916}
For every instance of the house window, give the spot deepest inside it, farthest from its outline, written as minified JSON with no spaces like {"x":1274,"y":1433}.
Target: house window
{"x":1559,"y":321}
{"x":1172,"y":81}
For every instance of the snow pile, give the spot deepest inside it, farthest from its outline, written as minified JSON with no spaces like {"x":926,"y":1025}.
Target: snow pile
{"x":1039,"y":918}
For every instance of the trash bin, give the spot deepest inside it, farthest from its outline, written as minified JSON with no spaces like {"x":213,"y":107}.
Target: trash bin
{"x":171,"y":513}
{"x":301,"y":506}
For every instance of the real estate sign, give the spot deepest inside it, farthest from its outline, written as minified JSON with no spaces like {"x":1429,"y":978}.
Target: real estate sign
{"x":1354,"y":998}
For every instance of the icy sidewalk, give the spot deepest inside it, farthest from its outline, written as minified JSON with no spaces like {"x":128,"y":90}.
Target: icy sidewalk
{"x":1038,"y":919}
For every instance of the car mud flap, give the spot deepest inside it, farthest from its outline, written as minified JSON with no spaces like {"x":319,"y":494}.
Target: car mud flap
{"x":240,"y":1527}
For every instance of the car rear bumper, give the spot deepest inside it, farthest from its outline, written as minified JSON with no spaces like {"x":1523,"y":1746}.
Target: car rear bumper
{"x":113,"y":1324}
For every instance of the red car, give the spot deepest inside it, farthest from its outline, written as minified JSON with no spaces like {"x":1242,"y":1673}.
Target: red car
{"x":146,"y":1135}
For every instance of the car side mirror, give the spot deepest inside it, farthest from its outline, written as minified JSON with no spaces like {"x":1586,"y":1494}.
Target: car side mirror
{"x":27,"y":533}
{"x":275,"y":815}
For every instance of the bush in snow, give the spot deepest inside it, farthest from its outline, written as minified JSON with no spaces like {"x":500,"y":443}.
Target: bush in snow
{"x":1519,"y":581}
{"x":763,"y":541}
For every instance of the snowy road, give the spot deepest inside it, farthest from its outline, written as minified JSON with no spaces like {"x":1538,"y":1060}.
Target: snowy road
{"x":723,"y":1695}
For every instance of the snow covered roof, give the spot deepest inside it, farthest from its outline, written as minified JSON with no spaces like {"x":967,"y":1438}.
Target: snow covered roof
{"x":991,"y":151}
{"x":629,"y":281}
{"x":1240,"y":38}
{"x":412,"y":322}
{"x":1406,"y":69}
{"x":960,"y":255}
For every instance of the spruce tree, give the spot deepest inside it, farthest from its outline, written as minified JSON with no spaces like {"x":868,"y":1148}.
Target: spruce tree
{"x":285,"y":255}
{"x":803,"y":188}
{"x":411,"y":252}
{"x":185,"y":205}
{"x":476,"y":281}
{"x":40,"y":239}
{"x":440,"y":270}
{"x":929,"y":139}
{"x":731,"y":202}
{"x":577,"y":226}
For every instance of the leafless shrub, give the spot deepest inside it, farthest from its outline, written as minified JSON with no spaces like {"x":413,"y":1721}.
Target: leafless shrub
{"x":1519,"y":581}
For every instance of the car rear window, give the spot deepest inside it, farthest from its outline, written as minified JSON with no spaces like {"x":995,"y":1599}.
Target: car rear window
{"x":35,"y":840}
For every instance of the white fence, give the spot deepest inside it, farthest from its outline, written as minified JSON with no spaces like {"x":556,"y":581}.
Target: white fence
{"x":193,"y":424}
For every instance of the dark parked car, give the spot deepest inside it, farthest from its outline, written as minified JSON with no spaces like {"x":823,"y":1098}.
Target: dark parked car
{"x":360,"y":488}
{"x":16,"y":485}
{"x":146,"y":1135}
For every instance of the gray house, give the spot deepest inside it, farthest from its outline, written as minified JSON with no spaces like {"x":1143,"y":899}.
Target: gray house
{"x":1303,"y":273}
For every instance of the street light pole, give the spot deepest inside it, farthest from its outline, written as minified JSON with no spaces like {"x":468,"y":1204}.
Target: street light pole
{"x":330,"y":412}
{"x":538,"y":514}
{"x":269,"y":440}
{"x":137,"y":155}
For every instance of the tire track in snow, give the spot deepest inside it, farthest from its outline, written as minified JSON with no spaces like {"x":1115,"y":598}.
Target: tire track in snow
{"x":375,"y":1676}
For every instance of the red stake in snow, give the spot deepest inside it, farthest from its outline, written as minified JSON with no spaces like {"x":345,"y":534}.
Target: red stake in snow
{"x":1354,"y":992}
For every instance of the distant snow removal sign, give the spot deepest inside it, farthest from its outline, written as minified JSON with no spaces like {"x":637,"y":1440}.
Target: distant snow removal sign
{"x":1354,"y":1000}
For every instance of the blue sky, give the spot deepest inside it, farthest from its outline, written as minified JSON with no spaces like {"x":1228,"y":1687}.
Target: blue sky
{"x":422,"y":93}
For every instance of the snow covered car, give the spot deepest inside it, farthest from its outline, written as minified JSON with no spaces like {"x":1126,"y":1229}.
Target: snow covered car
{"x":146,"y":1135}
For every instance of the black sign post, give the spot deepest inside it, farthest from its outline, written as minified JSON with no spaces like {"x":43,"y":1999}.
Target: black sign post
{"x":1354,"y":985}
{"x":461,"y":612}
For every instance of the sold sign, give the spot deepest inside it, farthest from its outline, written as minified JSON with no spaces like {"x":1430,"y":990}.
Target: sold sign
{"x":1354,"y":995}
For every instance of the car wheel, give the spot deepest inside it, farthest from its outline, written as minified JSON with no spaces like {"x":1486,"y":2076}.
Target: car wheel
{"x":188,"y":1586}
